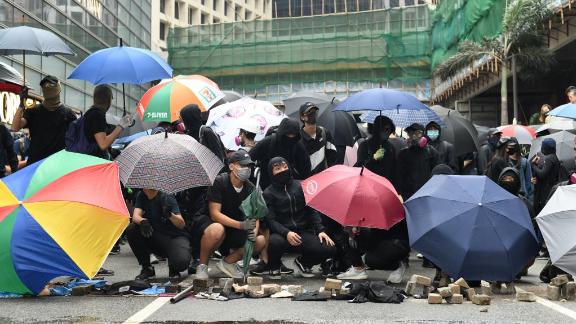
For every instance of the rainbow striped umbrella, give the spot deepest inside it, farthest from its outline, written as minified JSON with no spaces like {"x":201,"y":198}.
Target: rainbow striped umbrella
{"x":58,"y":217}
{"x":164,"y":101}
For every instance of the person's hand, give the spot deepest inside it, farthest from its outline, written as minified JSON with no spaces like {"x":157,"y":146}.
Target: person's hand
{"x":294,"y":239}
{"x":379,"y":154}
{"x":24,"y":93}
{"x":533,"y":180}
{"x":324,"y":238}
{"x":125,"y":122}
{"x":248,"y":225}
{"x":536,"y":159}
{"x":146,"y":228}
{"x":251,"y":235}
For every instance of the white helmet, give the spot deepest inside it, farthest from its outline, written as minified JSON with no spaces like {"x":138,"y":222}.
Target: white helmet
{"x":250,"y":125}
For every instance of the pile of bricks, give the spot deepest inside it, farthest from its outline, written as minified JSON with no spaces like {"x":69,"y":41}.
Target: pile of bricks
{"x":455,"y":293}
{"x":418,"y":285}
{"x":561,"y":288}
{"x":334,"y":287}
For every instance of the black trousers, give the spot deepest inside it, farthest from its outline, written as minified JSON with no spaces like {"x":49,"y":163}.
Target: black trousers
{"x":312,"y":250}
{"x":345,"y":254}
{"x":387,"y":254}
{"x":176,"y":249}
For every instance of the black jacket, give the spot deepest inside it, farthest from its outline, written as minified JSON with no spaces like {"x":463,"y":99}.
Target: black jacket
{"x":191,"y":116}
{"x":386,"y":167}
{"x":415,"y":166}
{"x":321,"y":149}
{"x":444,"y":148}
{"x":547,"y":173}
{"x":288,"y":211}
{"x":7,"y":154}
{"x":276,"y":145}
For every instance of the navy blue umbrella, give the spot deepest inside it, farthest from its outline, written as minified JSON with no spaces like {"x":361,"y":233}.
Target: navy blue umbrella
{"x":472,"y":228}
{"x":381,"y":99}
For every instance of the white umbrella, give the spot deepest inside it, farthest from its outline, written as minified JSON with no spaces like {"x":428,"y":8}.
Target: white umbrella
{"x":558,"y":125}
{"x":564,"y":147}
{"x":227,"y":119}
{"x":557,"y":222}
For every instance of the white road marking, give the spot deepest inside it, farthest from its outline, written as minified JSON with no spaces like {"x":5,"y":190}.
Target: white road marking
{"x":147,"y":311}
{"x":553,"y":306}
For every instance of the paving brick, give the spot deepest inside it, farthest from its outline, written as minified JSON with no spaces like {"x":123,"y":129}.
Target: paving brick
{"x":553,"y":292}
{"x":526,"y":296}
{"x":82,"y":290}
{"x":455,"y":299}
{"x":481,"y":300}
{"x":445,"y":292}
{"x":470,"y":293}
{"x":333,"y":284}
{"x":559,"y":280}
{"x":434,"y":299}
{"x":462,"y":283}
{"x":454,"y":288}
{"x":421,"y":280}
{"x":254,"y":281}
{"x":568,"y":291}
{"x":271,"y":288}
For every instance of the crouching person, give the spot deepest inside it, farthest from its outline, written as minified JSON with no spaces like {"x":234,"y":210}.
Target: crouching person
{"x":157,"y":227}
{"x":294,"y":227}
{"x":225,"y":228}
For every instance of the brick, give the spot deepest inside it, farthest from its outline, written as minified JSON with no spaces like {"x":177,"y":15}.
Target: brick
{"x":254,"y":281}
{"x":508,"y":288}
{"x":282,"y":294}
{"x":471,"y":293}
{"x":421,"y":280}
{"x":201,"y":283}
{"x":559,"y":280}
{"x":270,"y":289}
{"x":455,"y":299}
{"x":254,"y":288}
{"x":526,"y":296}
{"x":462,"y":283}
{"x":553,"y":292}
{"x":486,"y":290}
{"x":82,"y":290}
{"x":454,"y":288}
{"x":333,"y":284}
{"x":481,"y":300}
{"x":293,"y":289}
{"x":239,"y":289}
{"x":410,"y":287}
{"x":434,"y":299}
{"x":568,"y":291}
{"x":445,"y":292}
{"x":172,"y":289}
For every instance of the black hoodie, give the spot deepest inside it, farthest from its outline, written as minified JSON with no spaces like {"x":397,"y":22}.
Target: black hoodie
{"x":192,"y":118}
{"x":444,"y":148}
{"x":287,"y":207}
{"x":386,"y":167}
{"x":278,"y":145}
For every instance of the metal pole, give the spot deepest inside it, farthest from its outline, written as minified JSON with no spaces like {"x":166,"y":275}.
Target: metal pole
{"x":515,"y":89}
{"x":24,"y":66}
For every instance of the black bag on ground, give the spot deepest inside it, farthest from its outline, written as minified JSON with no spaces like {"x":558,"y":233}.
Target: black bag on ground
{"x":376,"y":292}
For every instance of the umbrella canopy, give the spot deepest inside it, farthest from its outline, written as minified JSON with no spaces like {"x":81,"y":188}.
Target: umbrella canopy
{"x":556,"y":126}
{"x":227,"y":119}
{"x":460,"y":132}
{"x":340,"y":124}
{"x":230,"y":96}
{"x":564,"y":148}
{"x":167,"y":162}
{"x":472,"y":228}
{"x":443,"y":112}
{"x":10,"y":75}
{"x":523,"y":134}
{"x":404,"y":117}
{"x":30,"y":40}
{"x":164,"y":101}
{"x":557,"y":222}
{"x":381,"y":99}
{"x":354,"y":197}
{"x":58,"y":217}
{"x":567,"y":111}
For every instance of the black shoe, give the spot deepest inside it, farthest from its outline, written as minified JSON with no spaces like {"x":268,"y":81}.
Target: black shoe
{"x":305,"y":271}
{"x":427,"y":264}
{"x":192,"y":267}
{"x":104,"y":272}
{"x":146,"y":273}
{"x":115,"y":249}
{"x":275,"y":274}
{"x":261,"y":269}
{"x":327,"y":267}
{"x":285,"y":270}
{"x":173,"y":274}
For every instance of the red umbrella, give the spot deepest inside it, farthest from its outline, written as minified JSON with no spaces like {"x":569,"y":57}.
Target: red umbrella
{"x":354,"y":197}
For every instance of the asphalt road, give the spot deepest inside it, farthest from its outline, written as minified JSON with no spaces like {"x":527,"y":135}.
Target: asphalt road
{"x":93,"y":309}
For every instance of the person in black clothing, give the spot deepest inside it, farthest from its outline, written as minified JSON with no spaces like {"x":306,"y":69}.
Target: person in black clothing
{"x":545,"y":173}
{"x":488,"y":150}
{"x":7,"y":154}
{"x":95,"y":125}
{"x":415,"y":162}
{"x":192,"y":118}
{"x":377,"y":153}
{"x":157,"y":227}
{"x":225,"y":227}
{"x":294,"y":227}
{"x":284,"y":143}
{"x":47,"y":122}
{"x":445,"y":149}
{"x":499,"y":160}
{"x":317,"y":140}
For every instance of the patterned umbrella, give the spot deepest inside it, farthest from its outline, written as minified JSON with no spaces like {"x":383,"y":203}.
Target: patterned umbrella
{"x":168,"y":162}
{"x":404,"y":117}
{"x":164,"y":101}
{"x":524,"y":134}
{"x":58,"y":217}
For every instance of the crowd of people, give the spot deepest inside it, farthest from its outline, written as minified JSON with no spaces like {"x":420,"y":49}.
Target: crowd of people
{"x":190,"y":227}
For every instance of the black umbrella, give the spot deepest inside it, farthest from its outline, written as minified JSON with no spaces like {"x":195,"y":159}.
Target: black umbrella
{"x":459,"y":131}
{"x":340,"y":124}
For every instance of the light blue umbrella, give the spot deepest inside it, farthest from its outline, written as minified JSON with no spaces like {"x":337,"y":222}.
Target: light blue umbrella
{"x":380,"y":99}
{"x":566,"y":111}
{"x":403,"y":117}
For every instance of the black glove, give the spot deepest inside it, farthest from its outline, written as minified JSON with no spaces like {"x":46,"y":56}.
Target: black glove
{"x":146,"y":229}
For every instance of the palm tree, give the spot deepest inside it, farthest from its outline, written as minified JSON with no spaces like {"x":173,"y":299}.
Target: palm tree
{"x":522,"y":39}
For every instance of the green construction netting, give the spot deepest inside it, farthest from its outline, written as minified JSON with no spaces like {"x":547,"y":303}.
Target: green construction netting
{"x":374,"y":46}
{"x":458,"y":20}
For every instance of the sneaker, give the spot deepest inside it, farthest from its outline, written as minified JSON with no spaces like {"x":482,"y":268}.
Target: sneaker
{"x":275,"y":274}
{"x":397,"y":275}
{"x":252,"y":262}
{"x":115,"y":250}
{"x":216,"y":255}
{"x":202,"y":272}
{"x":305,"y":271}
{"x":154,"y":259}
{"x":173,"y":274}
{"x":192,"y":267}
{"x":232,"y":270}
{"x":285,"y":270}
{"x":262,"y":268}
{"x":104,"y":272}
{"x":353,"y":274}
{"x":146,"y":273}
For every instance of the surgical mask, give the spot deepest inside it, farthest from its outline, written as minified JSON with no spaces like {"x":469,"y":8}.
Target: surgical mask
{"x":243,"y":174}
{"x":433,"y":134}
{"x":493,"y":141}
{"x":282,"y":177}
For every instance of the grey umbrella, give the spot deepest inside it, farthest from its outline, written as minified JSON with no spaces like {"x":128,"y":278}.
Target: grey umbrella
{"x":9,"y":74}
{"x":564,"y":148}
{"x":442,"y":111}
{"x":29,"y":40}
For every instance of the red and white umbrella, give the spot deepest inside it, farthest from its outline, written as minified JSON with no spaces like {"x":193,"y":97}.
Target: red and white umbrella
{"x":524,"y":134}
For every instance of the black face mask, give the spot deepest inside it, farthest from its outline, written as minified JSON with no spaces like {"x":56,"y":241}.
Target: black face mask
{"x":510,"y":186}
{"x":311,"y":119}
{"x":282,"y":178}
{"x":290,"y":141}
{"x":384,"y":135}
{"x":512,"y":150}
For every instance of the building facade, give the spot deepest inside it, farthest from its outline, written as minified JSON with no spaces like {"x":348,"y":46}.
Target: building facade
{"x":86,"y":26}
{"x":167,"y":14}
{"x":300,"y":8}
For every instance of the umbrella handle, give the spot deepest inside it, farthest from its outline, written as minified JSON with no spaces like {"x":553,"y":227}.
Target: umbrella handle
{"x":257,"y":174}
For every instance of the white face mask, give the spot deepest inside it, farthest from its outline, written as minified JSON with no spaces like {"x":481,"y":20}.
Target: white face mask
{"x":243,"y":174}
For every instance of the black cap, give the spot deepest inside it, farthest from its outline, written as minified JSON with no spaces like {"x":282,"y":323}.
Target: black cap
{"x":305,"y":108}
{"x":415,"y":127}
{"x":49,"y":79}
{"x":241,"y":157}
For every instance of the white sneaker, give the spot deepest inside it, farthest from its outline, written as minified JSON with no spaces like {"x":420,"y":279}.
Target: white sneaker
{"x":252,"y":262}
{"x":397,"y":275}
{"x":202,"y":272}
{"x":232,"y":270}
{"x":419,"y":256}
{"x":353,"y":274}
